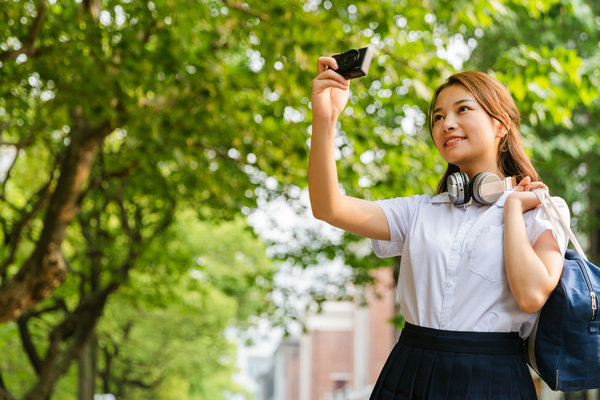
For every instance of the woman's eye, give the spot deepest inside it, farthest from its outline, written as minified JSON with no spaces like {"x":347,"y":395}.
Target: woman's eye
{"x":437,"y":118}
{"x":463,"y":108}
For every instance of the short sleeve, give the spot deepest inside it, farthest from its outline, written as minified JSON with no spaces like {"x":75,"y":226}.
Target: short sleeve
{"x":399,"y":213}
{"x":537,"y":222}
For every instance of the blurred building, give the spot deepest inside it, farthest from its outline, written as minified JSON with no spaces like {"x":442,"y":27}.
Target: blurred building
{"x":342,"y":353}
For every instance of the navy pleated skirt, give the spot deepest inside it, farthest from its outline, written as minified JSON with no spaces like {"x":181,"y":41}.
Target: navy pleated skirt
{"x":435,"y":364}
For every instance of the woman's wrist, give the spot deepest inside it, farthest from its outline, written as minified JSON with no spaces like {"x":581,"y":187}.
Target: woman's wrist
{"x":522,"y":201}
{"x":323,"y":125}
{"x":513,"y":203}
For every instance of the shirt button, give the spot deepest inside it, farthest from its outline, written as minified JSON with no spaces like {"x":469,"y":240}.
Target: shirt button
{"x":450,"y":284}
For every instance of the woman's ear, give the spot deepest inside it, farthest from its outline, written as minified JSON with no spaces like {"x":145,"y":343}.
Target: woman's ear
{"x":501,"y":128}
{"x":501,"y":131}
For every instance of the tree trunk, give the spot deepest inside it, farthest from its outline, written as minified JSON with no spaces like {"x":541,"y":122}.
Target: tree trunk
{"x":45,"y":268}
{"x":76,"y":330}
{"x":87,"y":370}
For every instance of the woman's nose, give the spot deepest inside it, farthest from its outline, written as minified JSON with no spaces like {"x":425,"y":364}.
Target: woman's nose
{"x":449,"y":125}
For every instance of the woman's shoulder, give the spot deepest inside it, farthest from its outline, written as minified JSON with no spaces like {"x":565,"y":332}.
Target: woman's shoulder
{"x":419,"y":199}
{"x":559,"y":202}
{"x":538,"y":219}
{"x":414,"y":201}
{"x":562,"y":206}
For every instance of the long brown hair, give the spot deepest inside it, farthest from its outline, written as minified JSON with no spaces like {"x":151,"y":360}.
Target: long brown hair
{"x":495,"y":99}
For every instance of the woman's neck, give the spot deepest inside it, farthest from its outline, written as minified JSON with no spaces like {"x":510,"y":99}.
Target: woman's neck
{"x":471,"y":172}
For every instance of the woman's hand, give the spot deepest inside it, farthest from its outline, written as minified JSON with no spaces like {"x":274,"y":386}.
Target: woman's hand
{"x":523,"y":197}
{"x":330,"y":91}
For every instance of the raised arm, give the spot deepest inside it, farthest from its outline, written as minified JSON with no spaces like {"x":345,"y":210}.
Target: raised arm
{"x":365,"y":218}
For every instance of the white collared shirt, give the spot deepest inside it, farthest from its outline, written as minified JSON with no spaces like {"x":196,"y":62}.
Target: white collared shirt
{"x":452,"y":273}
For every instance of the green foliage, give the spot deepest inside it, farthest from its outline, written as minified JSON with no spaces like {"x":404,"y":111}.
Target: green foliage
{"x":169,"y":322}
{"x":553,"y":74}
{"x":166,"y":328}
{"x":211,"y":108}
{"x":220,"y":263}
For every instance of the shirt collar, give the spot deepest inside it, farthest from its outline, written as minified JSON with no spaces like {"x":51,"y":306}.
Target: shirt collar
{"x":441,"y":198}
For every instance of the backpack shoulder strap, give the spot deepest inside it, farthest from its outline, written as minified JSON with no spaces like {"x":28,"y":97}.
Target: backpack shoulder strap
{"x":555,"y":218}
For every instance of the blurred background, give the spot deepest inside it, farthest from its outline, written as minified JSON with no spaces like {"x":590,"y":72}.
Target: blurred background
{"x":156,"y":236}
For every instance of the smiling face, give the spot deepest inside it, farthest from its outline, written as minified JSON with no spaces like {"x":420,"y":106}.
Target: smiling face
{"x":464,"y":133}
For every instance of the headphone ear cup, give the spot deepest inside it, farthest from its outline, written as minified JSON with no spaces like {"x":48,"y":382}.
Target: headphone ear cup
{"x":485,"y":197}
{"x":459,"y":190}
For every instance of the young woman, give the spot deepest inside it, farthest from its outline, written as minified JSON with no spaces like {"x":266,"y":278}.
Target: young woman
{"x":475,"y":270}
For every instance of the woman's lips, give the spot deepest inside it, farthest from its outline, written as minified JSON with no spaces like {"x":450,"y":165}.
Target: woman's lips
{"x":453,"y":141}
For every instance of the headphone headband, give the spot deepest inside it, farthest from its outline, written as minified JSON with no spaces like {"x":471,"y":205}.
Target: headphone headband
{"x":490,"y":188}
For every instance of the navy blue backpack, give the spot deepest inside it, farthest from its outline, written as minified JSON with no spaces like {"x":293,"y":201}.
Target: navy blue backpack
{"x":564,"y":347}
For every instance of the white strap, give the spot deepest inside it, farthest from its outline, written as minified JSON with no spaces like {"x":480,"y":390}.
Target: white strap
{"x":555,"y":216}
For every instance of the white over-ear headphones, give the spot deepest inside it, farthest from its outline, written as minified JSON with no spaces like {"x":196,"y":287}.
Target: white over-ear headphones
{"x":485,"y":188}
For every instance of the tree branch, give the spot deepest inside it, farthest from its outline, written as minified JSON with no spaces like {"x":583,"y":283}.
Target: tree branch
{"x":5,"y":395}
{"x":79,"y":325}
{"x":92,"y":7}
{"x":18,"y":146}
{"x":67,"y":339}
{"x":45,"y":268}
{"x":106,"y":373}
{"x":27,"y":342}
{"x":13,"y":238}
{"x":246,"y":10}
{"x":34,"y":30}
{"x":26,"y":339}
{"x":97,"y":181}
{"x":141,"y":384}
